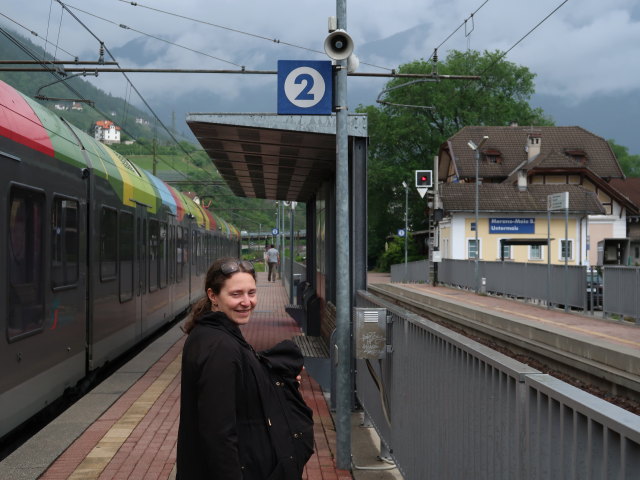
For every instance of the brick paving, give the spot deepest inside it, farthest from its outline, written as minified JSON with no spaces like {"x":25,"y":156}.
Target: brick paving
{"x":136,"y":437}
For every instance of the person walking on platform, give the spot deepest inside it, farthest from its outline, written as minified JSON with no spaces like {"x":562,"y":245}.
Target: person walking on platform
{"x":273,"y":260}
{"x":235,"y":423}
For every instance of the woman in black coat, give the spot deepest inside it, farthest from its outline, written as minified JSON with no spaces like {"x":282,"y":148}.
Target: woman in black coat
{"x":225,"y":428}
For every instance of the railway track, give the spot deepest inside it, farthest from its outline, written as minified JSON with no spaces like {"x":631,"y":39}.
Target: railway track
{"x":603,"y":368}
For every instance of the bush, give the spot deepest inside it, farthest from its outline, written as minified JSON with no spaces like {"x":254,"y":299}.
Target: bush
{"x":394,"y":254}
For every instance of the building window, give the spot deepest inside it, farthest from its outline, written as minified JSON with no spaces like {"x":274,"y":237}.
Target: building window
{"x":472,"y":251}
{"x":506,"y":250}
{"x":65,"y":242}
{"x":535,"y":252}
{"x":566,"y":249}
{"x":492,"y":156}
{"x":579,"y":156}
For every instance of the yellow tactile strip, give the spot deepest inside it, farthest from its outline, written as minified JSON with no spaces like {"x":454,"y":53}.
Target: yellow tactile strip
{"x":100,"y":456}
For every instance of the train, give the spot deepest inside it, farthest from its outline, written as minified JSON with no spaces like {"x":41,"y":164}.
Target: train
{"x":96,"y":255}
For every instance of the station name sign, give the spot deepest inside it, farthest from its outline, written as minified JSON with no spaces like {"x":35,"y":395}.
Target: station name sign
{"x":512,"y":225}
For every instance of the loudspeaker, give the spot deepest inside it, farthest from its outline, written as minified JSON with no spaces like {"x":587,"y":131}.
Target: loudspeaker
{"x":338,"y":45}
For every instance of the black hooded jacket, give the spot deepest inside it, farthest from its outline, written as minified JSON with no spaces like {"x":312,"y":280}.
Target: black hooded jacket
{"x":223,"y":433}
{"x":235,"y":423}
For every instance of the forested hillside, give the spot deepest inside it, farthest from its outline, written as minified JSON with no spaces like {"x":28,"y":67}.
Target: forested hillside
{"x":106,"y":106}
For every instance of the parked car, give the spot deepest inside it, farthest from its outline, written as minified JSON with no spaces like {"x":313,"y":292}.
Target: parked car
{"x":595,"y":288}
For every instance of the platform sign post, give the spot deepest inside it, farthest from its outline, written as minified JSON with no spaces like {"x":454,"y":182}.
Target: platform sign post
{"x":558,"y":201}
{"x":305,"y":87}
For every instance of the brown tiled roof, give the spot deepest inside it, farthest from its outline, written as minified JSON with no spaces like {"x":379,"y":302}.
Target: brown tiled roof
{"x":499,"y":197}
{"x":629,"y":187}
{"x":511,"y":142}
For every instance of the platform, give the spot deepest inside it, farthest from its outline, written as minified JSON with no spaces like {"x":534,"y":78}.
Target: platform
{"x":127,"y":427}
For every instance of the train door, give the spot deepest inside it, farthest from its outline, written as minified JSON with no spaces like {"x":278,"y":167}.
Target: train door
{"x":140,"y":270}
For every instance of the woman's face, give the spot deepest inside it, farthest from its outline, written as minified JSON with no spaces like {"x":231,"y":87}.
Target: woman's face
{"x":237,"y":298}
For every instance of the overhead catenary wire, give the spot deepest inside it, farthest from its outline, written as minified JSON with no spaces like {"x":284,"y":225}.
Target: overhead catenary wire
{"x":242,"y":32}
{"x":127,"y":27}
{"x":103,"y":46}
{"x":59,"y":74}
{"x":35,"y":34}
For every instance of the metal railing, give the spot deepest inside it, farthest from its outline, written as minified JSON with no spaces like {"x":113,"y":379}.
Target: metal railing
{"x":412,"y":272}
{"x":449,"y":407}
{"x":620,"y":295}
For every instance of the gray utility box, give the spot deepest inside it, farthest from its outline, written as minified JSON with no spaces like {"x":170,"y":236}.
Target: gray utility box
{"x":370,"y":333}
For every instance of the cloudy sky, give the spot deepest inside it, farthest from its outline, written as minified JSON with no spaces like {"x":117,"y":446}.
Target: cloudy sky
{"x":587,"y":49}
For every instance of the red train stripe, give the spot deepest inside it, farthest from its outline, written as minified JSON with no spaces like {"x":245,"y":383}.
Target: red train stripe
{"x":20,"y":123}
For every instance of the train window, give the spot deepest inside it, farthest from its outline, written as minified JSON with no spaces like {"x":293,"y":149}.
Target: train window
{"x":108,"y":243}
{"x":194,"y":249}
{"x":127,"y":245}
{"x":65,"y":242}
{"x":154,"y":240}
{"x":181,"y":253}
{"x":162,"y":255}
{"x":171,"y":253}
{"x":25,"y":263}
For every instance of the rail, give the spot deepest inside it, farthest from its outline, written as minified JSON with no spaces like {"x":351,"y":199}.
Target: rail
{"x":449,"y":407}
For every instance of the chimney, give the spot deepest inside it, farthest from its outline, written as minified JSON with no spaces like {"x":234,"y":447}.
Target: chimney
{"x":534,"y":143}
{"x":522,"y":180}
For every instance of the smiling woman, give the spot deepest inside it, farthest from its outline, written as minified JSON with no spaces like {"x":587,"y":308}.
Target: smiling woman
{"x":230,"y":427}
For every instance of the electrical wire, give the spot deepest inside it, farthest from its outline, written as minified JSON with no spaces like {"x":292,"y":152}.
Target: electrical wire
{"x":241,"y":32}
{"x":103,"y":47}
{"x":522,"y":38}
{"x":35,"y":34}
{"x":127,"y":27}
{"x":60,"y":76}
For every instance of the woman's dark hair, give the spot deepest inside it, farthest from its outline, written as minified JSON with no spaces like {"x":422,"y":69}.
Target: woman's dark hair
{"x":215,"y":279}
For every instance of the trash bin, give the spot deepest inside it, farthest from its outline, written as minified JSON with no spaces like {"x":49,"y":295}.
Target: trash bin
{"x":297,"y":277}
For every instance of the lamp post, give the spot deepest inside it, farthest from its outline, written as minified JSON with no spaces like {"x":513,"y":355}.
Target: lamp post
{"x":406,"y":225}
{"x":476,"y":150}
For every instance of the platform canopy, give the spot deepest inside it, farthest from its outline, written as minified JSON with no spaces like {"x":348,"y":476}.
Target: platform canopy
{"x":277,"y":157}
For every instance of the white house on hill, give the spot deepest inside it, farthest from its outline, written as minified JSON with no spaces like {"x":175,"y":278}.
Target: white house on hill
{"x":106,"y":131}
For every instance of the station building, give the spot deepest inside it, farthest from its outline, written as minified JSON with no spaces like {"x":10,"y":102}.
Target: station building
{"x":518,"y":169}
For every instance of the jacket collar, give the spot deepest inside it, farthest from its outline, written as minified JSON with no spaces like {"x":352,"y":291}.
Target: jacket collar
{"x":221,"y":321}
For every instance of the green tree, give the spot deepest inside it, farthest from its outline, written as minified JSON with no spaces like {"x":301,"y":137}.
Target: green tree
{"x":404,"y":139}
{"x":630,"y":164}
{"x":395,"y":253}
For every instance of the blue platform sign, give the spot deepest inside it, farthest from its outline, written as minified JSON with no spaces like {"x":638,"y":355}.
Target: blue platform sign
{"x":305,"y":87}
{"x":512,"y":225}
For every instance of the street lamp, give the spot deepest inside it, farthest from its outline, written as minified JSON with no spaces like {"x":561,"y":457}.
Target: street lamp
{"x":406,"y":225}
{"x":476,"y":149}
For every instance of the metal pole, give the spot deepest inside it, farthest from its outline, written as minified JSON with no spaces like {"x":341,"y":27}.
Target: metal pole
{"x":291,"y":255}
{"x":548,"y":258}
{"x":406,"y":228}
{"x":566,"y":255}
{"x":343,"y":275}
{"x":476,"y":266}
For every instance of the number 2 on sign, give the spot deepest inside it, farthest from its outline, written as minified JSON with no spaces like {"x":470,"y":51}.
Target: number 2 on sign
{"x":304,"y":87}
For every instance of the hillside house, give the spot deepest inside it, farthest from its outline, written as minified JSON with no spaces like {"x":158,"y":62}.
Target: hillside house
{"x":106,"y":131}
{"x":519,"y":167}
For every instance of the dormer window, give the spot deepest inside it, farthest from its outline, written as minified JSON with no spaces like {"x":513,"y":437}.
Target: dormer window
{"x":577,"y":155}
{"x":492,"y":156}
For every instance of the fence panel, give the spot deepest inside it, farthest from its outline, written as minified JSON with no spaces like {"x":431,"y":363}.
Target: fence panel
{"x":621,"y":287}
{"x":457,"y":409}
{"x":413,"y":272}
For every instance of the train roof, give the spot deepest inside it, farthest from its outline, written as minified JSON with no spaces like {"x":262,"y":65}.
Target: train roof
{"x":25,"y":121}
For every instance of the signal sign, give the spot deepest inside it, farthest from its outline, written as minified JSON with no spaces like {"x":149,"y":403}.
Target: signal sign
{"x":424,"y":178}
